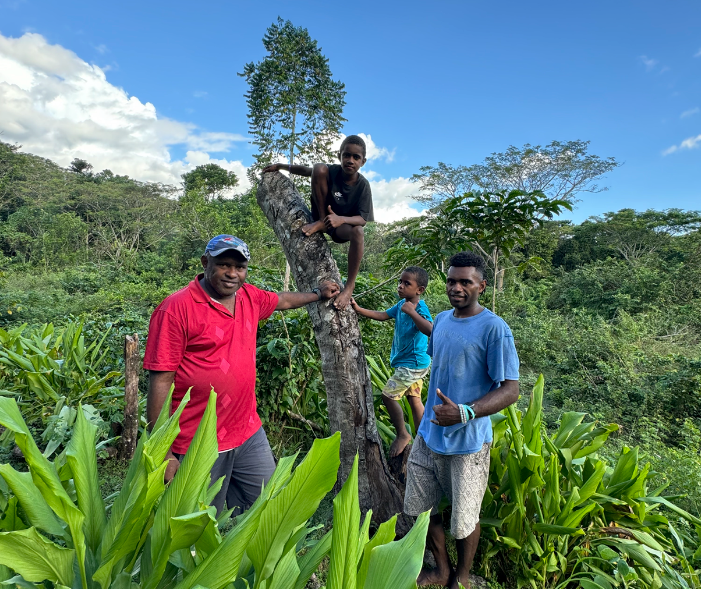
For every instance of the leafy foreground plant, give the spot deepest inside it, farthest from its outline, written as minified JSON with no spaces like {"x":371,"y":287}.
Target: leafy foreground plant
{"x":559,"y":516}
{"x":49,"y":374}
{"x":158,"y":536}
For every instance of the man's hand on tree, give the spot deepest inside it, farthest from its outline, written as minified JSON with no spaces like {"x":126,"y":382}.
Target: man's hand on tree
{"x":271,"y":168}
{"x":447,"y":413}
{"x":172,"y":468}
{"x":329,"y":289}
{"x":332,"y":220}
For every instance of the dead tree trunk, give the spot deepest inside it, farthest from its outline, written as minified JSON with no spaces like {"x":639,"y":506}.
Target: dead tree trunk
{"x":130,"y":431}
{"x":346,"y":375}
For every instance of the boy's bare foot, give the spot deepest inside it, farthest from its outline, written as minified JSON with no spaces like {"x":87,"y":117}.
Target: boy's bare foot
{"x":343,"y":299}
{"x":456,"y":584}
{"x":434,"y":577}
{"x":400,"y":442}
{"x":312,"y":228}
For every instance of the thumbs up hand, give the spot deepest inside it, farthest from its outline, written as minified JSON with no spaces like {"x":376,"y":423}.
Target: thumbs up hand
{"x":447,"y":413}
{"x":332,"y":220}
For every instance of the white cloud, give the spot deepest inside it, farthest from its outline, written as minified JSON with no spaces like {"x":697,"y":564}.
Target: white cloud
{"x":60,"y":107}
{"x":200,"y":93}
{"x":698,"y":53}
{"x":690,"y":112}
{"x":688,"y":143}
{"x":648,"y":62}
{"x":102,"y":48}
{"x":390,"y":199}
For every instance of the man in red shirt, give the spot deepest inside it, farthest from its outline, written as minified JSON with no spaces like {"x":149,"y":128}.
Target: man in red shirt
{"x":203,"y":337}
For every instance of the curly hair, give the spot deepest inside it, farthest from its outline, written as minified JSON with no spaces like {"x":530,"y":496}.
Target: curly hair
{"x":419,"y":274}
{"x":353,"y":140}
{"x":468,"y":259}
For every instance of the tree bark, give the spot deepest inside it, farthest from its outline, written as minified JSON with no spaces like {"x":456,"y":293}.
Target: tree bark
{"x":130,"y":431}
{"x":345,"y":371}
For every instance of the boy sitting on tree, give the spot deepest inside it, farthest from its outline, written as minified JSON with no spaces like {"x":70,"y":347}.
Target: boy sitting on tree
{"x":341,"y":204}
{"x":412,"y":326}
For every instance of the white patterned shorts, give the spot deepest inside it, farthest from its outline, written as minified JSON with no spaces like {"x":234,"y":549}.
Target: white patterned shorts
{"x":405,"y":381}
{"x":462,"y":478}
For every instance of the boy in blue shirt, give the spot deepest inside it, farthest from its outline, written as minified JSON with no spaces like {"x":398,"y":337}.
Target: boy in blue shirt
{"x":474,"y":375}
{"x":412,"y":326}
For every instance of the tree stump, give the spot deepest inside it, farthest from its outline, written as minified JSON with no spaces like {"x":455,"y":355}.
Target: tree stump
{"x":343,"y":365}
{"x":130,"y":431}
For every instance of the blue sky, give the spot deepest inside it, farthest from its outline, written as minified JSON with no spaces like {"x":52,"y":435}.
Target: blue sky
{"x":441,"y":81}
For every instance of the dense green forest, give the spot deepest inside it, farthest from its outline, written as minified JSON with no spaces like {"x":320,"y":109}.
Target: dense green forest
{"x":609,"y":311}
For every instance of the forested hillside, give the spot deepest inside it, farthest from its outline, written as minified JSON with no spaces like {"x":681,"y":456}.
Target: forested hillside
{"x":609,"y":311}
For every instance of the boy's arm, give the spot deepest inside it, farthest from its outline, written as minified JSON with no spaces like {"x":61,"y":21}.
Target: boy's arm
{"x":294,"y":169}
{"x":376,"y":315}
{"x":422,"y":324}
{"x":333,"y":220}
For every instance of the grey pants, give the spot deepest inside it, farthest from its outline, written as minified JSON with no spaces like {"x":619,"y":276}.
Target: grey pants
{"x":244,"y":469}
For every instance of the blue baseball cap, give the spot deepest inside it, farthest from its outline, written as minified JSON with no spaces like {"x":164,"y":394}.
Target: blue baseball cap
{"x":221,"y":243}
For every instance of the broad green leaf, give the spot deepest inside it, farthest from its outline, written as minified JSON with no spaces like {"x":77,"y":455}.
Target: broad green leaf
{"x":385,"y":534}
{"x":82,"y":460}
{"x":533,"y":418}
{"x":343,"y":567}
{"x":286,"y":572}
{"x":295,"y":504}
{"x":36,"y":558}
{"x":396,"y":565}
{"x":46,"y":479}
{"x":181,"y":496}
{"x":570,"y":420}
{"x":185,"y":530}
{"x":364,"y":534}
{"x":34,"y":505}
{"x":220,"y":567}
{"x":310,"y":561}
{"x":134,"y":525}
{"x":557,"y":530}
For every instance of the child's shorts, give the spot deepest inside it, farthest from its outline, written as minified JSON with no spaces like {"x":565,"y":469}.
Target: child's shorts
{"x":405,"y":381}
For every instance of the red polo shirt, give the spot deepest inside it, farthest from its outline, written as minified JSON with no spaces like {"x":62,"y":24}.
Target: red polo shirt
{"x":208,"y":348}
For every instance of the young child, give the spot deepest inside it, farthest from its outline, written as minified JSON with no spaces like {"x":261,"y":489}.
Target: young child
{"x":341,"y":204}
{"x":412,"y":326}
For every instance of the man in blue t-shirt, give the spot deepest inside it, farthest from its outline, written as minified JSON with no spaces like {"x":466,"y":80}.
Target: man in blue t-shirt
{"x":474,"y":375}
{"x":412,"y":326}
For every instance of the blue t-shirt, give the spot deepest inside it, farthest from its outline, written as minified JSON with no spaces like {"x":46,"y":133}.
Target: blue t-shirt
{"x":471,"y":357}
{"x":409,"y":344}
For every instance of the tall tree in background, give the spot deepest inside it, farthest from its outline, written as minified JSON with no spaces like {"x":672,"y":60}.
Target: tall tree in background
{"x":561,"y":170}
{"x":294,"y":106}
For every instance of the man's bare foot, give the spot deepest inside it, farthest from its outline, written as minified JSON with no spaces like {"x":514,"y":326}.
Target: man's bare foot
{"x":456,"y":584}
{"x":434,"y":577}
{"x":343,"y":299}
{"x":400,"y":442}
{"x":312,"y":228}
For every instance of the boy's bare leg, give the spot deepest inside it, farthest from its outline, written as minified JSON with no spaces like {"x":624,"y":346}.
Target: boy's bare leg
{"x":320,"y":188}
{"x":417,"y":410}
{"x":466,"y":549}
{"x":356,"y":235}
{"x":435,"y":541}
{"x":397,"y":416}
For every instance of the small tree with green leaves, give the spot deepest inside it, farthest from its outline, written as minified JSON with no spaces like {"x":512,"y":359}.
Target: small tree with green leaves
{"x":492,"y":223}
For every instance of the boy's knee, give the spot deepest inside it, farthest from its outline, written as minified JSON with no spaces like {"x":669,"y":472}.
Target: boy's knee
{"x":357,"y":233}
{"x":320,"y":171}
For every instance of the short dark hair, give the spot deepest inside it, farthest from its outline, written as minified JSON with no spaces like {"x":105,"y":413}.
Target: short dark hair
{"x":468,"y":259}
{"x":354,"y":140}
{"x":419,"y":274}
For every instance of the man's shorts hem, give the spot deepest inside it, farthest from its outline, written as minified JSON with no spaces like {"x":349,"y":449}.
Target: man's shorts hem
{"x":462,"y":478}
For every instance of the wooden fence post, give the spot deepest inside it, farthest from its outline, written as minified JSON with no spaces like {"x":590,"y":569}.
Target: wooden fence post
{"x":130,"y":430}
